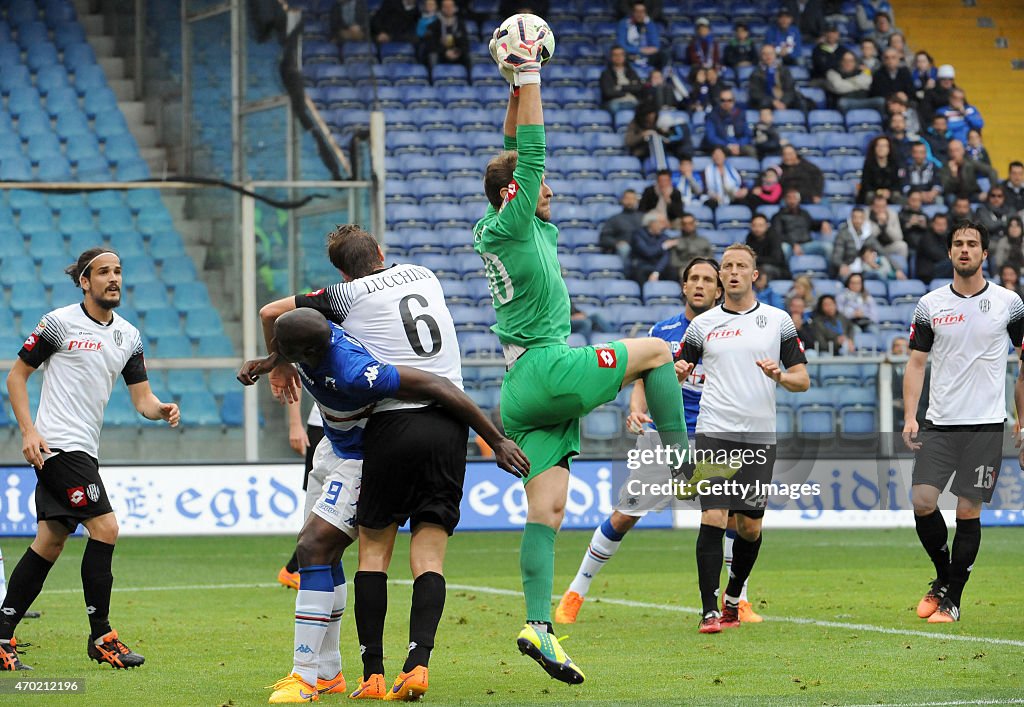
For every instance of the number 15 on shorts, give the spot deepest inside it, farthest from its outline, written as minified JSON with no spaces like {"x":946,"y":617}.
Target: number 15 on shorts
{"x":986,"y":477}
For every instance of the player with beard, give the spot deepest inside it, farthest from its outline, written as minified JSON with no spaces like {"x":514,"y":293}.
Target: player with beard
{"x":84,"y":348}
{"x":968,"y":325}
{"x":702,"y":291}
{"x":549,"y":386}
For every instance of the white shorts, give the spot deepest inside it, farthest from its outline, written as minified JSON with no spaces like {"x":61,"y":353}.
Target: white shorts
{"x":333,"y":488}
{"x":636,"y":506}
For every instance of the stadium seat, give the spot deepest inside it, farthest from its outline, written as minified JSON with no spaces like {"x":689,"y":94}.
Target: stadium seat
{"x":200,"y":323}
{"x":173,"y":346}
{"x":178,"y":269}
{"x":217,"y":345}
{"x":232,"y":413}
{"x":813,"y":265}
{"x":150,"y":296}
{"x":621,"y":292}
{"x":602,"y":424}
{"x":906,"y":291}
{"x":185,"y":380}
{"x":199,"y":408}
{"x":162,"y":322}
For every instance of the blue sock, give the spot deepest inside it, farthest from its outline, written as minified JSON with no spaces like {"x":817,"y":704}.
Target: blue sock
{"x":312,"y":617}
{"x":610,"y":532}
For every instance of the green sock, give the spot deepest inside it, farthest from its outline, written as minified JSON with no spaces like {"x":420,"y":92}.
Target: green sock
{"x":537,"y":564}
{"x":666,"y":404}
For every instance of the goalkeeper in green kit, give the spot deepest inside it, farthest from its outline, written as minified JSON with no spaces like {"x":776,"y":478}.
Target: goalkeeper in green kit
{"x":549,"y":386}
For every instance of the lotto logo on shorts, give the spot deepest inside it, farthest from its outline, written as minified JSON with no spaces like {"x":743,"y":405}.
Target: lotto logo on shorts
{"x":77,"y":497}
{"x":606,"y":358}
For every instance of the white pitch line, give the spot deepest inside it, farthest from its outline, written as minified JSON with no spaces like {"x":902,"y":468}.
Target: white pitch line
{"x":618,"y":602}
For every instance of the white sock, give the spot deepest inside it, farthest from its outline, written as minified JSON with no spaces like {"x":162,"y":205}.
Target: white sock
{"x":730,"y":536}
{"x":3,"y":579}
{"x":600,"y":550}
{"x":329,"y":660}
{"x":312,"y":617}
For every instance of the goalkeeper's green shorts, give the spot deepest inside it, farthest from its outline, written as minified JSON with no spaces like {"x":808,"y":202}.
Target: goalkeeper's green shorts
{"x":549,"y":389}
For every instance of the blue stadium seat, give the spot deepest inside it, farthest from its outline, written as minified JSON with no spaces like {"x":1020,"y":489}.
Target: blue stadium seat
{"x":47,"y":244}
{"x":127,"y":243}
{"x":662,"y":292}
{"x":904,"y":291}
{"x":215,"y":346}
{"x":602,"y":424}
{"x":825,"y":120}
{"x":863,"y":120}
{"x":815,"y":421}
{"x":200,"y":323}
{"x":162,"y":322}
{"x":599,"y":266}
{"x":858,"y":421}
{"x":150,"y":295}
{"x":119,"y":411}
{"x":191,"y":296}
{"x":480,"y":345}
{"x":732,"y":216}
{"x":178,"y":269}
{"x":27,"y":295}
{"x":232,"y":412}
{"x":815,"y":265}
{"x":173,"y":346}
{"x":621,"y":292}
{"x":17,"y":270}
{"x":154,"y":220}
{"x":199,"y":409}
{"x":185,"y":380}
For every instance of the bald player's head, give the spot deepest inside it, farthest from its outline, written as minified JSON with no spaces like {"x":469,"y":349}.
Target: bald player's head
{"x":303,"y":336}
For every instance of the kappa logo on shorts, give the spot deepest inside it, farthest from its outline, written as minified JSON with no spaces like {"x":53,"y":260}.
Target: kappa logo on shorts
{"x":606,"y":358}
{"x":77,"y":497}
{"x":93,"y":492}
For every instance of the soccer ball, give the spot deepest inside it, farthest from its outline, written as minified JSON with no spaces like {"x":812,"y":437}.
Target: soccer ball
{"x":524,"y":31}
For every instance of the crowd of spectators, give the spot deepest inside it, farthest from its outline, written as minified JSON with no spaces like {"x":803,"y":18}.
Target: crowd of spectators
{"x":925,"y":170}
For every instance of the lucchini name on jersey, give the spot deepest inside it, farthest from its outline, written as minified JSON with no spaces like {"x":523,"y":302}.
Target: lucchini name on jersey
{"x":711,"y":487}
{"x":395,"y":279}
{"x":672,"y":457}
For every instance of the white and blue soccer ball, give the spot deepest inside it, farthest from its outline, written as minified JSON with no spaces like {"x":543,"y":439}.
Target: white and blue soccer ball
{"x":520,"y":33}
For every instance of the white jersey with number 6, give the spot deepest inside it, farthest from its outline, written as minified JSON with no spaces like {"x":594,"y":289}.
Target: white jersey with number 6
{"x":400,"y":316}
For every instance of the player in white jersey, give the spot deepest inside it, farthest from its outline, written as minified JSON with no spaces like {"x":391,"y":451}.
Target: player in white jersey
{"x":969,"y":326}
{"x":735,"y":341}
{"x":701,"y":289}
{"x":81,"y":348}
{"x":414,"y":457}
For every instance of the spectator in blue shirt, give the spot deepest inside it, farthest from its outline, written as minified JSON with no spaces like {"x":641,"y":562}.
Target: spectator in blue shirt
{"x":961,"y":117}
{"x":726,"y":127}
{"x":785,"y":37}
{"x":641,"y":37}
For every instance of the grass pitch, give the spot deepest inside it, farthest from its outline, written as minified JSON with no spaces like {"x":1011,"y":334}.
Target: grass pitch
{"x":215,"y":628}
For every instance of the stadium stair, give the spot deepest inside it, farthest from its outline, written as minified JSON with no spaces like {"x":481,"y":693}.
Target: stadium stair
{"x":982,"y":68}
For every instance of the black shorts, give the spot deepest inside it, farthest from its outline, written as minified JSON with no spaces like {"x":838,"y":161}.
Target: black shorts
{"x":971,"y":454}
{"x":414,"y":465}
{"x":757,"y":469}
{"x":314,"y":433}
{"x":69,"y":490}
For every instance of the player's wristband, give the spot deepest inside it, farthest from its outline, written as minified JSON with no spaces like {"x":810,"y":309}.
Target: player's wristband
{"x":529,"y":77}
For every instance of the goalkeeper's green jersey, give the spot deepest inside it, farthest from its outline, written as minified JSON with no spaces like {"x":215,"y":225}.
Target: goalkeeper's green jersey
{"x":520,"y":254}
